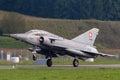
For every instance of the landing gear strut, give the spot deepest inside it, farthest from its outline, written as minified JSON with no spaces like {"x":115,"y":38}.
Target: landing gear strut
{"x":75,"y":62}
{"x":49,"y":62}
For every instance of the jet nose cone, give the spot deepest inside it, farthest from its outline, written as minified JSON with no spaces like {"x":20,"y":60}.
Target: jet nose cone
{"x":14,"y":35}
{"x":18,"y":36}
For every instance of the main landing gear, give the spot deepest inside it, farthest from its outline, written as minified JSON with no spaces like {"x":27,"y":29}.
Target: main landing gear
{"x":75,"y":63}
{"x":49,"y":62}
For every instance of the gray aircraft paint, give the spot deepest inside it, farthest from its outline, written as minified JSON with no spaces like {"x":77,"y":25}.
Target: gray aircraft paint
{"x":81,"y":47}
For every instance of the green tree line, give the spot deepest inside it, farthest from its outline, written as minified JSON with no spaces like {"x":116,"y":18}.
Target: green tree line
{"x":65,"y":9}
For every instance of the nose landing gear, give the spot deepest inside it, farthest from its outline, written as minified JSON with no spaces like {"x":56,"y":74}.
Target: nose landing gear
{"x":34,"y":57}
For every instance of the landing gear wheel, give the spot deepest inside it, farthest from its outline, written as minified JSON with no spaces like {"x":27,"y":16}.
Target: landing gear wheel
{"x":34,"y":58}
{"x":75,"y":63}
{"x":49,"y":62}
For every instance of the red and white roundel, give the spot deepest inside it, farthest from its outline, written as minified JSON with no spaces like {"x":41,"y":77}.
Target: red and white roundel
{"x":90,"y":34}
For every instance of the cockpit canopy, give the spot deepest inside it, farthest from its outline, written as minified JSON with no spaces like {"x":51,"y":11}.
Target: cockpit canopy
{"x":36,"y":32}
{"x":40,"y":33}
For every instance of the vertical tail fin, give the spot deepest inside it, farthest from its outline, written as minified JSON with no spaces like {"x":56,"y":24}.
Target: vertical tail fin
{"x":88,"y":37}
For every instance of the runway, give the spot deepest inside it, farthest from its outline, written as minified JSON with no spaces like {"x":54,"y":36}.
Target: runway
{"x":60,"y":66}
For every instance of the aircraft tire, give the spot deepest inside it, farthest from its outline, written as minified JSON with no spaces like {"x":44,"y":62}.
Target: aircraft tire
{"x":75,"y":63}
{"x":49,"y":62}
{"x":34,"y":58}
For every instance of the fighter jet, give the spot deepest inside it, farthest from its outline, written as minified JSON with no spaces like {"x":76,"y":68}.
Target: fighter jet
{"x":51,"y":45}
